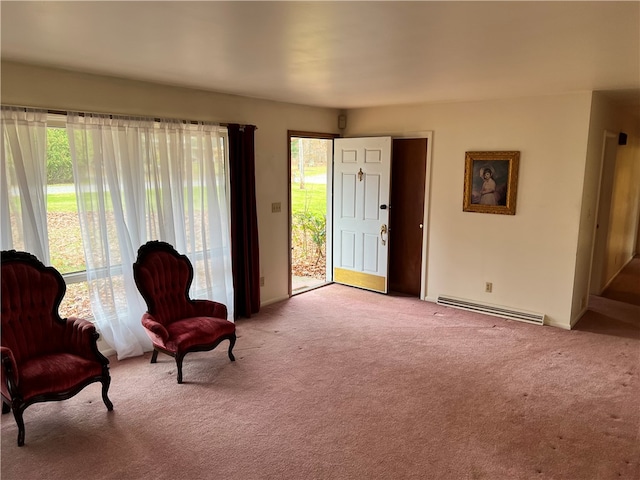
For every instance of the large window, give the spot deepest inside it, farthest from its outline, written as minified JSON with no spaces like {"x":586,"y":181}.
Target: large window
{"x":84,"y":191}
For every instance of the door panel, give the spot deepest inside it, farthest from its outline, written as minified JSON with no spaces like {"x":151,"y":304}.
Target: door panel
{"x":348,"y":196}
{"x":372,"y":197}
{"x":348,"y":250}
{"x":370,"y":260}
{"x":362,"y":171}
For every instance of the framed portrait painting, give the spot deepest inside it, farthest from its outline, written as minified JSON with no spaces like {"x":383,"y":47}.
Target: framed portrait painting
{"x":491,"y":182}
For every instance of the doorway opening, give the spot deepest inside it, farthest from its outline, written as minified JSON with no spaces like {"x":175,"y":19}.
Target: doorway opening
{"x":310,"y":193}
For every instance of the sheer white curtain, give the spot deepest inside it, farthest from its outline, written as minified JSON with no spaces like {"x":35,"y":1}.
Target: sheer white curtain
{"x":23,"y":182}
{"x":188,"y":165}
{"x":103,"y":154}
{"x":138,"y":180}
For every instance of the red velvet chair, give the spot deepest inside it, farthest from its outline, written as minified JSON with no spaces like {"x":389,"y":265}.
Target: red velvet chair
{"x":175,"y":323}
{"x":44,"y":357}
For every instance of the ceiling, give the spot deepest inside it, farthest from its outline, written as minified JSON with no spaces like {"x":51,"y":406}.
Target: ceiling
{"x":341,"y":54}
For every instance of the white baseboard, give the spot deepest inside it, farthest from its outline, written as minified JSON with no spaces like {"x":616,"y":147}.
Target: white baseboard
{"x":273,"y":300}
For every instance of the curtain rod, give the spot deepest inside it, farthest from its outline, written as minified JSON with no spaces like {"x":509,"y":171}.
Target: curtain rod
{"x":82,"y":114}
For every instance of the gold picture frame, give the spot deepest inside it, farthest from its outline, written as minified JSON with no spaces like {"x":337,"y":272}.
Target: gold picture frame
{"x":491,"y":182}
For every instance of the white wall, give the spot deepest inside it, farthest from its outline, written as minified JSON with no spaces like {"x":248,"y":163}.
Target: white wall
{"x":530,"y":258}
{"x":27,"y":85}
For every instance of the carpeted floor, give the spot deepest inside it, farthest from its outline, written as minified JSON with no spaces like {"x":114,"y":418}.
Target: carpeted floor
{"x":339,"y":383}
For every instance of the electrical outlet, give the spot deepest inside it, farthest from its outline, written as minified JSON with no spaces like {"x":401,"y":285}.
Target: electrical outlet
{"x":262,"y":281}
{"x":276,"y":207}
{"x":488,"y":287}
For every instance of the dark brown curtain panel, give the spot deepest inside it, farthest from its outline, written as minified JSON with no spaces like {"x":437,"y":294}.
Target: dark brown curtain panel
{"x":244,"y":221}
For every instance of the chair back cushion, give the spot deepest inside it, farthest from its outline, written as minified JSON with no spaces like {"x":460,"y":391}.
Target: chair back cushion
{"x":31,"y":296}
{"x":164,"y":277}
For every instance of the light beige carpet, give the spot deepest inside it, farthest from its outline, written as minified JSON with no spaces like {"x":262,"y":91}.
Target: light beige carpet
{"x":339,"y":383}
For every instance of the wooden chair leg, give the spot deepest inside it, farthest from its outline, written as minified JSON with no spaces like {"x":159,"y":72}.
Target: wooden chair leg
{"x":17,"y":414}
{"x":179,"y":359}
{"x":232,"y":342}
{"x":106,"y":381}
{"x":154,"y":356}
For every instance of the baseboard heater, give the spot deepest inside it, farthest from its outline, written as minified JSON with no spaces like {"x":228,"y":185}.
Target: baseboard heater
{"x":530,"y":317}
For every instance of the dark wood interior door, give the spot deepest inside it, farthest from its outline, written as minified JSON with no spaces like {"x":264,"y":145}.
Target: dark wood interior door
{"x":406,"y":214}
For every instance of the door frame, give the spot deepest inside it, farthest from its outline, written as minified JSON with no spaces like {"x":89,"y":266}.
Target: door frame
{"x":598,"y":248}
{"x":329,"y":224}
{"x":428,"y":134}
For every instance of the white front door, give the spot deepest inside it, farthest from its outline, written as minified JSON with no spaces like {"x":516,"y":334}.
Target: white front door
{"x":362,"y":174}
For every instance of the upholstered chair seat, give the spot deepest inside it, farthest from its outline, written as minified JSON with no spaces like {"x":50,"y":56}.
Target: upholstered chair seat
{"x":55,"y":373}
{"x":174,"y":322}
{"x":44,"y":357}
